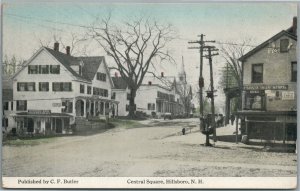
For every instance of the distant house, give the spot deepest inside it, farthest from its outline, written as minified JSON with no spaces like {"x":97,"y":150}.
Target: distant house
{"x":54,"y":90}
{"x":270,"y":92}
{"x":120,"y":93}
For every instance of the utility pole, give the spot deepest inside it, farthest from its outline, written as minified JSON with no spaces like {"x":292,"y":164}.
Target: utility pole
{"x":211,"y":92}
{"x":201,"y":42}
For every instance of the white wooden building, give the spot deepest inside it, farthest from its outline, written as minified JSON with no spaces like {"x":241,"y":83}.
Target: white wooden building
{"x":54,"y":89}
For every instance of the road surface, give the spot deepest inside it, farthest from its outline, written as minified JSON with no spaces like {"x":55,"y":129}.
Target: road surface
{"x":157,"y":148}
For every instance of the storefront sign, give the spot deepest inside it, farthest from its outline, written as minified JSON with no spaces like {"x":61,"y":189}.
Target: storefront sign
{"x":36,"y":112}
{"x":288,"y":95}
{"x":56,"y":104}
{"x":266,"y":87}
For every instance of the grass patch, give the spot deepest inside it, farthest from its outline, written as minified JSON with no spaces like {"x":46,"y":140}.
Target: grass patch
{"x":125,"y":123}
{"x":28,"y":142}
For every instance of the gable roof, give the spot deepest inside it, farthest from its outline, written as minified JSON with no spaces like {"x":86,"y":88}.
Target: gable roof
{"x":264,"y":44}
{"x":91,"y":65}
{"x":89,"y":69}
{"x":119,"y":83}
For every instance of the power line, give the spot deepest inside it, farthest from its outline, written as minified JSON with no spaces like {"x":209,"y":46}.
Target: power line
{"x":51,"y":21}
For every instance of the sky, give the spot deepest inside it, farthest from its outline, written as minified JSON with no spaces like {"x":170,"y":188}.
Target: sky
{"x":25,"y":25}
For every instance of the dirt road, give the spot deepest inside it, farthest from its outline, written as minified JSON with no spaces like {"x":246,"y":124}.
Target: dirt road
{"x":158,"y":150}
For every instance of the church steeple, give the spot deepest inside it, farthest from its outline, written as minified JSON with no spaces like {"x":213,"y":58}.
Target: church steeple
{"x":182,"y":74}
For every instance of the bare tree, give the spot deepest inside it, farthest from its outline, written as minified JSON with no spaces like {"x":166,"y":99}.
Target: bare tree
{"x":74,"y":41}
{"x":231,"y":52}
{"x":134,"y":46}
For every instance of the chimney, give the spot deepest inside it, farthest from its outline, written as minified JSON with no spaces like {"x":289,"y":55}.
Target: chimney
{"x":294,"y":30}
{"x":162,"y":74}
{"x":116,"y":74}
{"x":56,"y":46}
{"x":68,"y":50}
{"x":149,"y":83}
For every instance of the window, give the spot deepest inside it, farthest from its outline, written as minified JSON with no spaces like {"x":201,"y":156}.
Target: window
{"x":43,"y":69}
{"x":25,"y":86}
{"x":128,"y":96}
{"x":149,"y":106}
{"x":89,"y":90}
{"x":100,"y":92}
{"x":5,"y":106}
{"x":54,"y":69}
{"x":12,"y":106}
{"x":32,"y":69}
{"x":257,"y":73}
{"x":254,"y":101}
{"x":294,"y":72}
{"x":113,"y":96}
{"x":284,"y":44}
{"x":82,"y":88}
{"x":101,"y":76}
{"x":67,"y":107}
{"x":43,"y":86}
{"x":21,"y":105}
{"x":62,"y":86}
{"x":127,"y":107}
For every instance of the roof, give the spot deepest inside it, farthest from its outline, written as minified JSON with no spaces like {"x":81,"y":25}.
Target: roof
{"x":264,"y":44}
{"x":119,"y":83}
{"x":90,"y":67}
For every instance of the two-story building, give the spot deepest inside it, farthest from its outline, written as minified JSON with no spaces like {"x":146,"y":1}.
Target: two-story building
{"x":54,"y":89}
{"x":269,"y":88}
{"x":154,"y":98}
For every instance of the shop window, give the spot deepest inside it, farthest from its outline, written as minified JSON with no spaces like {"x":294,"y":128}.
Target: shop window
{"x":284,"y":44}
{"x":294,"y":72}
{"x":21,"y":105}
{"x":254,"y":101}
{"x":43,"y":86}
{"x":257,"y":73}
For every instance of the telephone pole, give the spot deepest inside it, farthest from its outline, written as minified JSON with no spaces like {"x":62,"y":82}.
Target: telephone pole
{"x":203,"y":127}
{"x":211,"y":92}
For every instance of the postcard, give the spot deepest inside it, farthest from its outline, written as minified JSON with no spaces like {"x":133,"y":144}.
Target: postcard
{"x":132,"y":95}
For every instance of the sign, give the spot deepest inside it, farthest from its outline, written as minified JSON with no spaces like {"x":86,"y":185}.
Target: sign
{"x":288,"y":95}
{"x":265,"y":87}
{"x":37,"y":112}
{"x":56,"y":104}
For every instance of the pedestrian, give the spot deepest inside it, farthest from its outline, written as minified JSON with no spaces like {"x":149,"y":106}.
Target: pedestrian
{"x":232,"y":118}
{"x":183,"y":131}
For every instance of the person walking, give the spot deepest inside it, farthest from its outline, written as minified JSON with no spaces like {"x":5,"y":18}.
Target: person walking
{"x":232,"y":118}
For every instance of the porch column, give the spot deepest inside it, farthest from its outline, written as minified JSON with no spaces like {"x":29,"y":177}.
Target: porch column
{"x":94,"y":108}
{"x":74,"y":106}
{"x":84,"y":107}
